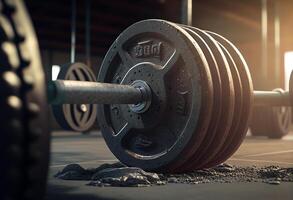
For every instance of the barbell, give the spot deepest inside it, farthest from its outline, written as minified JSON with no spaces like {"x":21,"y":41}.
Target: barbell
{"x":170,"y":98}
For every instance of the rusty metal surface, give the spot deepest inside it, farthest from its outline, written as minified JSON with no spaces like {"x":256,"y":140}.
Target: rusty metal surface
{"x":216,"y":137}
{"x":246,"y":82}
{"x":189,"y":153}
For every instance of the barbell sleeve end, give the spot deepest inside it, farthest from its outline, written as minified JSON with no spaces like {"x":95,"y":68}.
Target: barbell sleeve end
{"x":271,"y":98}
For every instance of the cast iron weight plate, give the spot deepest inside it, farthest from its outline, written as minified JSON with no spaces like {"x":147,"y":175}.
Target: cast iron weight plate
{"x":76,"y":117}
{"x":270,"y":121}
{"x":24,"y":143}
{"x":237,"y":106}
{"x":273,"y":122}
{"x":217,"y":136}
{"x":179,"y":166}
{"x":281,"y":122}
{"x":247,"y":90}
{"x":169,"y":60}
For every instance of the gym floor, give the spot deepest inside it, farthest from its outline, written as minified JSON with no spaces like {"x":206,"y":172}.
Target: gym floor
{"x":91,"y":151}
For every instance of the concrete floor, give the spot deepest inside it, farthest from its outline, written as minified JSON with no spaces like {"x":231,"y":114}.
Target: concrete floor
{"x":91,"y":151}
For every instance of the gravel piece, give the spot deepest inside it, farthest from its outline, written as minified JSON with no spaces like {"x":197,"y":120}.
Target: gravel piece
{"x":272,"y":182}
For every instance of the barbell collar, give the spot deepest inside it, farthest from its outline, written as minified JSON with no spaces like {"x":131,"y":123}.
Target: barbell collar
{"x":84,"y":92}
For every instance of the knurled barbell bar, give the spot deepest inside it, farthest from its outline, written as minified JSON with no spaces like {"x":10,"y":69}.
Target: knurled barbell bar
{"x":76,"y":92}
{"x":153,"y":64}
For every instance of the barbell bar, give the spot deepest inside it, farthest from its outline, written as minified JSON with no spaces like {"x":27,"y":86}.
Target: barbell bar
{"x":272,"y":98}
{"x":78,"y":92}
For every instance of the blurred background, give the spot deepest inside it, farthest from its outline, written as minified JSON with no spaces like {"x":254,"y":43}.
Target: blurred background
{"x":71,"y":30}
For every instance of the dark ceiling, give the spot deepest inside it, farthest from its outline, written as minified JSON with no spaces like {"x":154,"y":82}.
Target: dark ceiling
{"x":52,"y":20}
{"x":238,"y":20}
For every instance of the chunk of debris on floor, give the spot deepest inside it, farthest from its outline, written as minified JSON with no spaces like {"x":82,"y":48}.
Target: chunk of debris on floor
{"x":125,"y":176}
{"x":119,"y":175}
{"x":115,"y":174}
{"x":74,"y":172}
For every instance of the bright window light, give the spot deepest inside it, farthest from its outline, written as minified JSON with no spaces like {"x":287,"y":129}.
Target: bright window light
{"x":288,"y":61}
{"x":55,"y":72}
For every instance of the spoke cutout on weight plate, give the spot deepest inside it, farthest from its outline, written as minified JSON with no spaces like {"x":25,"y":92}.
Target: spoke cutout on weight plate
{"x":125,"y":57}
{"x":122,"y":132}
{"x":173,"y":60}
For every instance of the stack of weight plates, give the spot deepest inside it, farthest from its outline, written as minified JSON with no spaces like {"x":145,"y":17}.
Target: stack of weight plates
{"x":202,"y":96}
